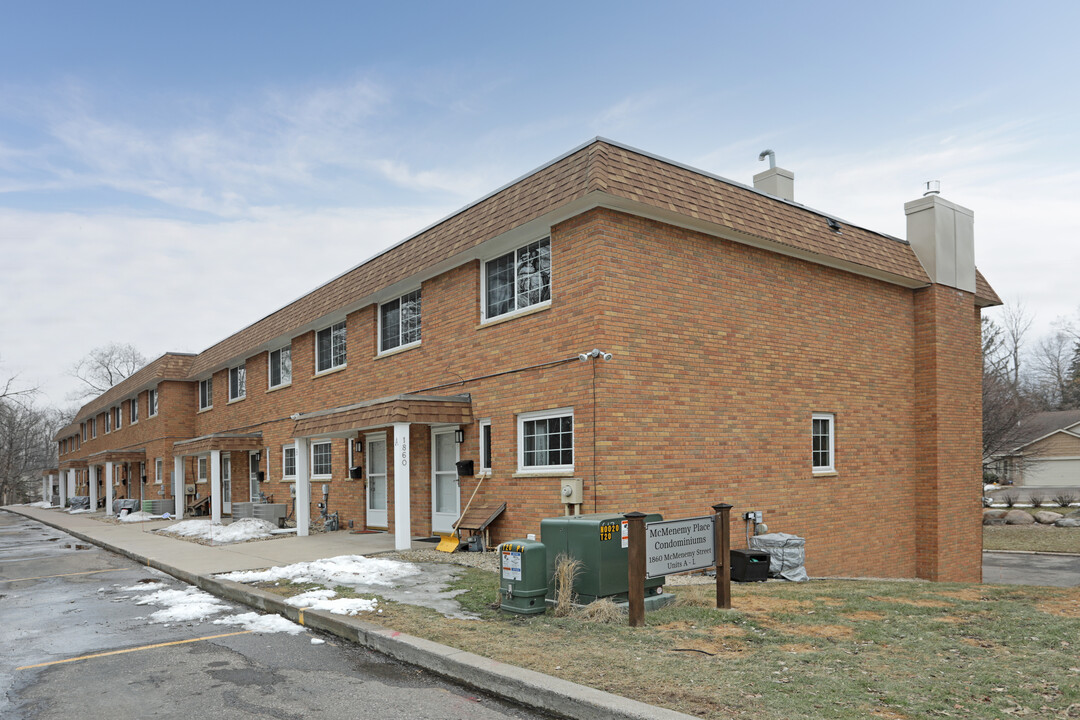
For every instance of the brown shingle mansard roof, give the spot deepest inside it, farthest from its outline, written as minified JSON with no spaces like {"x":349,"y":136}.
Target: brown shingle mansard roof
{"x":617,"y":176}
{"x":599,"y":166}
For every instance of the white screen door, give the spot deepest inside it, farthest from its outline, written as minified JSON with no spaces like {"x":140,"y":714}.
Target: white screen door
{"x":445,"y":494}
{"x":226,"y":483}
{"x":376,"y":481}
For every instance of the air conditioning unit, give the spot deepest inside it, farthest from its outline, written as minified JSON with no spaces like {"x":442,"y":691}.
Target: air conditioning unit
{"x":189,"y":489}
{"x":572,"y":491}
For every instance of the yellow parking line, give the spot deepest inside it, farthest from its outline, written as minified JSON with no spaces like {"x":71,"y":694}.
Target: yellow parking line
{"x":144,"y":647}
{"x":45,"y":577}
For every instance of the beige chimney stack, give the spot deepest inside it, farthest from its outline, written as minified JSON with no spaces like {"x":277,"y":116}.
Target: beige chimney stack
{"x":942,"y":234}
{"x":776,"y":181}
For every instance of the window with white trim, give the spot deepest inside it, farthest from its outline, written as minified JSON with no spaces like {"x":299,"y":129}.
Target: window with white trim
{"x":238,"y":382}
{"x":518,"y":280}
{"x":119,"y":410}
{"x":82,"y":429}
{"x":399,"y":322}
{"x":281,"y":367}
{"x":330,"y":347}
{"x":108,"y":422}
{"x":546,"y":440}
{"x":485,"y":446}
{"x":823,"y":432}
{"x":203,"y":463}
{"x":134,"y":411}
{"x":158,"y":470}
{"x":321,"y":460}
{"x":288,"y":461}
{"x":93,"y":428}
{"x":151,"y":402}
{"x":206,"y":393}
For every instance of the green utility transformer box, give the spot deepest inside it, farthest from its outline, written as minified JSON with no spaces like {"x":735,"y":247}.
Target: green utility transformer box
{"x":523,"y":583}
{"x":598,"y":541}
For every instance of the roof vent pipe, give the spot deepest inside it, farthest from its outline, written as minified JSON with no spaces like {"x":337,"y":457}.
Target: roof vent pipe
{"x":768,"y":154}
{"x":933,"y":187}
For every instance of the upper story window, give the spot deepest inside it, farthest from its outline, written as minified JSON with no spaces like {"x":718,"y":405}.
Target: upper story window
{"x":108,"y":422}
{"x":151,"y":402}
{"x":281,"y":367}
{"x":546,"y":440}
{"x":206,"y":393}
{"x":822,"y":432}
{"x":93,"y":427}
{"x":330,"y":347}
{"x":134,"y":412}
{"x":238,"y":382}
{"x":82,"y":430}
{"x":518,"y":280}
{"x":119,"y":410}
{"x":321,"y":459}
{"x":399,"y":322}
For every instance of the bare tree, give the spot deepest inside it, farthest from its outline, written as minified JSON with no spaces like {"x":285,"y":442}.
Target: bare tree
{"x":1004,"y":404}
{"x":104,"y":367}
{"x":1016,"y":322}
{"x":1052,"y":361}
{"x":26,"y":448}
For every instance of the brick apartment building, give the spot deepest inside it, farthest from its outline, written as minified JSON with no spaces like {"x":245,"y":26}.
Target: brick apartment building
{"x":762,"y":354}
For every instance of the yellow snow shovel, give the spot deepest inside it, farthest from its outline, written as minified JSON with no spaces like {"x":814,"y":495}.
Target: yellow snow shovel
{"x":448,"y":542}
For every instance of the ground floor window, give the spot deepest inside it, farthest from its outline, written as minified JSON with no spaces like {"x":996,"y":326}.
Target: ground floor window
{"x":546,"y":440}
{"x":203,"y":463}
{"x":288,"y":462}
{"x":321,"y":455}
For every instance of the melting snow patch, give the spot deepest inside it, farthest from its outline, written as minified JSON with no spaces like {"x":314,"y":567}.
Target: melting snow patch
{"x":239,"y":531}
{"x":144,"y":587}
{"x":182,"y":605}
{"x":341,"y":570}
{"x":80,"y":511}
{"x":42,"y":504}
{"x":317,"y":641}
{"x":325,"y":600}
{"x":261,"y":623}
{"x":139,"y":516}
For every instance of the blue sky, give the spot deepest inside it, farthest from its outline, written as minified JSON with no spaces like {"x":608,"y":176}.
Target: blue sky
{"x":171,"y":173}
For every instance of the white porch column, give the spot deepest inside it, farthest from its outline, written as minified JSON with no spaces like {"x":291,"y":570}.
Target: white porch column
{"x":303,"y":486}
{"x":44,"y":488}
{"x":215,"y":487}
{"x":52,"y":479}
{"x":109,"y":474}
{"x":91,"y":471}
{"x":63,"y":488}
{"x":179,"y":498}
{"x":71,"y":482}
{"x":402,"y":513}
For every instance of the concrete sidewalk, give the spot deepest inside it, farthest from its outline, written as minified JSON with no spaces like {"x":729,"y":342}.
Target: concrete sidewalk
{"x":196,"y":564}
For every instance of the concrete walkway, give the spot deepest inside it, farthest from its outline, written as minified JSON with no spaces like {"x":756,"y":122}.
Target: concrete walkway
{"x":1030,"y":568}
{"x":196,"y":564}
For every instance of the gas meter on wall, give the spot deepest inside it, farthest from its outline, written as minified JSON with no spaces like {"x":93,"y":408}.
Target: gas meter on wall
{"x":572,"y":491}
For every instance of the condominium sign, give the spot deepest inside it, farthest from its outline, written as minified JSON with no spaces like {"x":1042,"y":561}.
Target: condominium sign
{"x":673,"y":546}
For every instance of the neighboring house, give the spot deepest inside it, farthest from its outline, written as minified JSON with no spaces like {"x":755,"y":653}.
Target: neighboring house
{"x":764,"y":354}
{"x":1046,"y":451}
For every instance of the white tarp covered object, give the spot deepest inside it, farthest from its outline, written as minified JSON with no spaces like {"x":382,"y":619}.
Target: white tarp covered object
{"x":787,"y":555}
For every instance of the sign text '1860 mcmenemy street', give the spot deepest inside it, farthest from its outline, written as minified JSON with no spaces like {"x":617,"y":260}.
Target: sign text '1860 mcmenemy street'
{"x":673,"y":546}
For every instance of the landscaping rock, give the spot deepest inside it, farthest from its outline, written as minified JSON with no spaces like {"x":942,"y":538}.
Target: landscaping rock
{"x":990,"y":520}
{"x":1047,"y":518}
{"x":1019,"y":517}
{"x":1068,"y":522}
{"x":1075,"y":514}
{"x":993,"y":513}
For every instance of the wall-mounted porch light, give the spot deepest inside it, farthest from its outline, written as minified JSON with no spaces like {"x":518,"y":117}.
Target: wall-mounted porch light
{"x":459,"y":436}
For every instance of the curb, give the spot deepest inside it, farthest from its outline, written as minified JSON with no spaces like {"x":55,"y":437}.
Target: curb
{"x":502,"y":680}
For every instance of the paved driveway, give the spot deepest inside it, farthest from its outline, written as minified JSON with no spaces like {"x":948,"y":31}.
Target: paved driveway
{"x":1010,"y":568}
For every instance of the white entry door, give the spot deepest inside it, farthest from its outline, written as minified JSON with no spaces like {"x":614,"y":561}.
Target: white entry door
{"x":376,"y":480}
{"x":226,"y":483}
{"x":445,"y":493}
{"x":253,"y":475}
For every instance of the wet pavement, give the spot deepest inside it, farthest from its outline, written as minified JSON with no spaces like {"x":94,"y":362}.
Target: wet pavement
{"x":1024,"y":568}
{"x":62,"y":600}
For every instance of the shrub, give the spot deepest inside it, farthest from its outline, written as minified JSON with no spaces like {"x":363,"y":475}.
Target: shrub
{"x":1036,"y":500}
{"x":566,"y":570}
{"x":1064,"y":499}
{"x":1009,"y":499}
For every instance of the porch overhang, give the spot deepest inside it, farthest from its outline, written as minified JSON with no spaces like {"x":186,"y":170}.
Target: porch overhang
{"x":73,"y":464}
{"x":223,"y":442}
{"x":348,"y":420}
{"x":115,"y":456}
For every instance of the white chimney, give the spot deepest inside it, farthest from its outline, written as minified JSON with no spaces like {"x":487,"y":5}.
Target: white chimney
{"x":942,"y":234}
{"x":775,"y":181}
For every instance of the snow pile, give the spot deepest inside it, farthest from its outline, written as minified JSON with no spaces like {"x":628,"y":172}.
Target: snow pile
{"x":341,"y":570}
{"x":261,"y":623}
{"x":79,"y":511}
{"x":139,"y":516}
{"x":182,"y":605}
{"x":42,"y":504}
{"x":325,"y":600}
{"x":239,"y":531}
